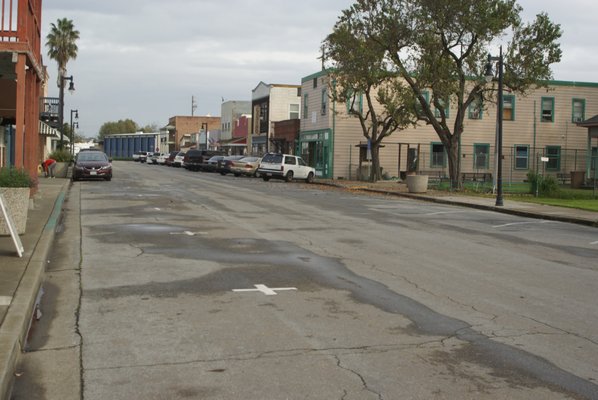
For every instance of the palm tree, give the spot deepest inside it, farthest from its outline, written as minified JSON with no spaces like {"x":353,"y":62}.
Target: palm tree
{"x":62,"y":46}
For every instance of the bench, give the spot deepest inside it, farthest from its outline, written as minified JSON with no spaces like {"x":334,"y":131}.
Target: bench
{"x":476,"y":176}
{"x":563,"y":177}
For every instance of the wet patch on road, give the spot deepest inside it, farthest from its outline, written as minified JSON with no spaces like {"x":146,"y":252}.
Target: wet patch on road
{"x":246,"y":262}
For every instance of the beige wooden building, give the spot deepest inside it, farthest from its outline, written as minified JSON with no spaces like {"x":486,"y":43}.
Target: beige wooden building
{"x":541,"y":125}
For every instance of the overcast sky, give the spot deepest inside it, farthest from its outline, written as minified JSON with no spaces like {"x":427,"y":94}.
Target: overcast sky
{"x":144,"y":59}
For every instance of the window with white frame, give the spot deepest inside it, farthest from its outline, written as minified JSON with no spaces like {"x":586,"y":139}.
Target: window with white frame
{"x":578,"y":110}
{"x":508,"y":108}
{"x":355,"y":103}
{"x":324,"y":102}
{"x":547,"y":109}
{"x":305,"y":106}
{"x":481,"y":155}
{"x":445,"y":106}
{"x":521,"y":156}
{"x":475,"y":108}
{"x":294,"y":111}
{"x":438,"y":155}
{"x":554,"y":158}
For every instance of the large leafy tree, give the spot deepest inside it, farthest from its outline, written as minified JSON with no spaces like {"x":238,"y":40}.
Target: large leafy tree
{"x":120,"y":126}
{"x":437,"y":50}
{"x":62,"y":44}
{"x":362,"y":80}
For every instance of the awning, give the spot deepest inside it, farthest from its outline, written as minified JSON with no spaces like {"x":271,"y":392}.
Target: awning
{"x":47,"y":130}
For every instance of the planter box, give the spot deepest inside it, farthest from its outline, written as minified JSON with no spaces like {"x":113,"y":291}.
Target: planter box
{"x":417,"y":183}
{"x":61,"y":169}
{"x":17,"y":204}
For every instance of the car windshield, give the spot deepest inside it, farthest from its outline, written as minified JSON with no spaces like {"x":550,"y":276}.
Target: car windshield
{"x":91,"y":156}
{"x":249,"y":159}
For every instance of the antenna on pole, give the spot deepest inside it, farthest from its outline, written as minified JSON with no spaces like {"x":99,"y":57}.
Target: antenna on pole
{"x":193,"y":105}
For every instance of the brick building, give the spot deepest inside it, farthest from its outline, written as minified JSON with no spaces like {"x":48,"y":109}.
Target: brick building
{"x":21,"y":79}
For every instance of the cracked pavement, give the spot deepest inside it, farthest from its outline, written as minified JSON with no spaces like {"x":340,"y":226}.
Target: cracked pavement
{"x":394,"y":299}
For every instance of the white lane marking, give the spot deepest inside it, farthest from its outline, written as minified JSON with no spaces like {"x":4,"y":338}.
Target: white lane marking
{"x":5,"y":300}
{"x":264,"y":289}
{"x":593,"y":243}
{"x":156,"y":208}
{"x":188,"y":233}
{"x":523,"y":223}
{"x":445,"y":212}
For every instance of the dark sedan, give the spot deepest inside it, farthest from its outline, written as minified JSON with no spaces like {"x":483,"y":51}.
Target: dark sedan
{"x":92,"y":165}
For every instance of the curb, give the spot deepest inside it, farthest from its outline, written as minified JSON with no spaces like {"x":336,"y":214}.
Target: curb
{"x":528,"y":214}
{"x":16,"y":324}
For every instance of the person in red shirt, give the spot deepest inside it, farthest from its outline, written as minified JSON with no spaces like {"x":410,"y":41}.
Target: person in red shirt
{"x":49,"y":165}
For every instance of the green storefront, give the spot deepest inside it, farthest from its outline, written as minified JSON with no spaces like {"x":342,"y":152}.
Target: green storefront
{"x":316,"y":148}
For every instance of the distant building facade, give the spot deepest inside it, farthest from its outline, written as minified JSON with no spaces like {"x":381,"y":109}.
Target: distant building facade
{"x":543,"y":124}
{"x":271,"y":103}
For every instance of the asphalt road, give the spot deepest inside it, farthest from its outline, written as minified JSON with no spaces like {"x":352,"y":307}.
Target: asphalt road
{"x":199,"y":286}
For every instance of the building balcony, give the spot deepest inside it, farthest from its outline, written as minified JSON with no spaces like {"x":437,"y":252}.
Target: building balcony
{"x":49,"y":108}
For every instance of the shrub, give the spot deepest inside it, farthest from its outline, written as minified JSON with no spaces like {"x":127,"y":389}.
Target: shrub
{"x":63,"y":155}
{"x":13,"y":177}
{"x":543,"y":185}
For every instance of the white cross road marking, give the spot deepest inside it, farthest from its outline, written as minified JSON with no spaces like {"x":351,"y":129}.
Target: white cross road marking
{"x":5,"y":300}
{"x":264,"y":289}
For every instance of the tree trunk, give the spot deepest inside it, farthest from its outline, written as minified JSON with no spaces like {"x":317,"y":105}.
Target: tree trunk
{"x":375,"y":170}
{"x":454,"y":163}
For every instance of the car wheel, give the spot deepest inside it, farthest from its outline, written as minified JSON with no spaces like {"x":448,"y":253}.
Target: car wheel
{"x":237,"y":174}
{"x":109,"y":178}
{"x":289,"y":176}
{"x":310,"y":178}
{"x":265,"y":178}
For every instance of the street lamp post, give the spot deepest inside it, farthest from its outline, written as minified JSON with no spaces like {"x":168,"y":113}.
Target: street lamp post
{"x":73,"y":130}
{"x":204,"y":127}
{"x":61,"y":105}
{"x":489,"y":75}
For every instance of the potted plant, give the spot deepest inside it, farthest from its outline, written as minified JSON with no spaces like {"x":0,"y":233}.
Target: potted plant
{"x":63,"y":158}
{"x":15,"y":187}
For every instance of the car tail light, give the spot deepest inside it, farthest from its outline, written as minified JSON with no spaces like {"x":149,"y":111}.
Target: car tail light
{"x":247,"y":166}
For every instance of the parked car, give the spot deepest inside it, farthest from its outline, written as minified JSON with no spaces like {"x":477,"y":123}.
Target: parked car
{"x":169,"y":160}
{"x":178,"y":159}
{"x":245,"y":166}
{"x":212,"y":164}
{"x":153,"y":159}
{"x":285,"y":166}
{"x":225,"y":163}
{"x":161,"y":159}
{"x":194,"y":159}
{"x":143,"y":156}
{"x":92,"y":165}
{"x":137,"y":155}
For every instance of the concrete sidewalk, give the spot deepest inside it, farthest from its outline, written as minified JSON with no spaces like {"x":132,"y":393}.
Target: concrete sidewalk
{"x":21,"y":277}
{"x":521,"y":208}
